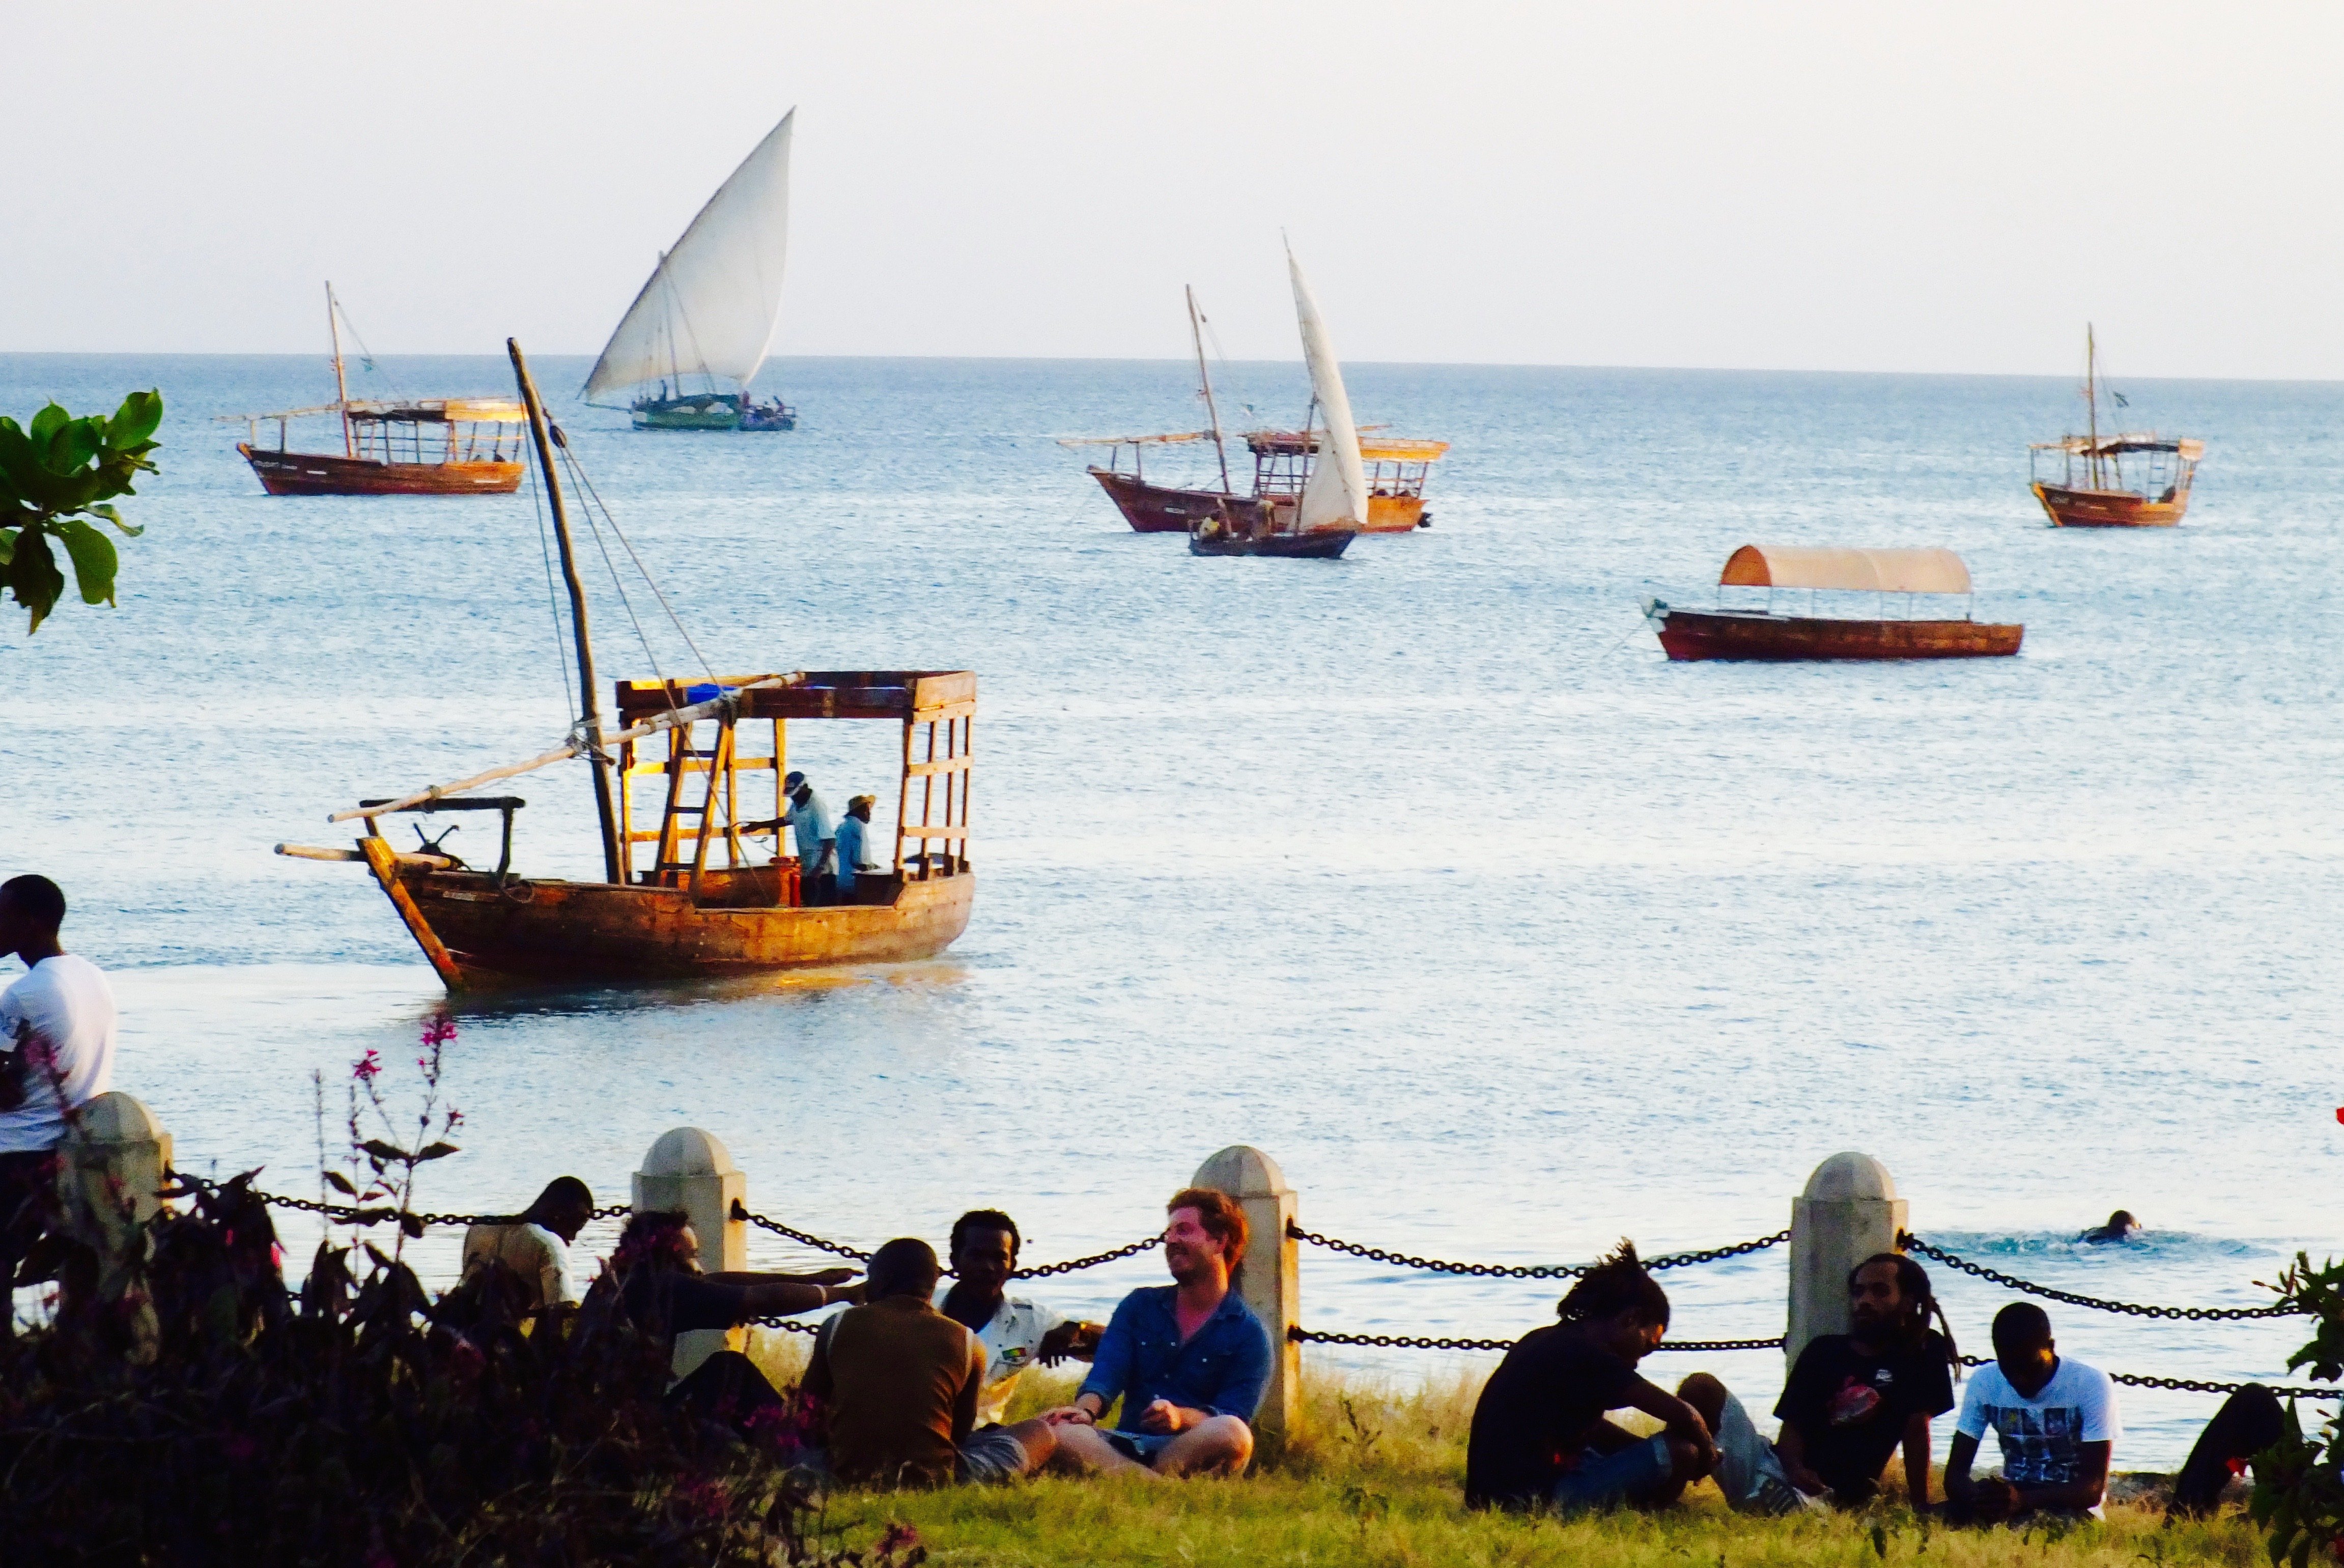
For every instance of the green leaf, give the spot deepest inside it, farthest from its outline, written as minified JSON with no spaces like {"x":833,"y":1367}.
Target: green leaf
{"x":340,"y":1183}
{"x":140,"y":415}
{"x":94,"y":560}
{"x":434,"y":1151}
{"x":107,"y":511}
{"x":412,"y":1226}
{"x":47,"y":423}
{"x":68,"y":451}
{"x":34,"y":577}
{"x":7,"y":546}
{"x":384,"y":1151}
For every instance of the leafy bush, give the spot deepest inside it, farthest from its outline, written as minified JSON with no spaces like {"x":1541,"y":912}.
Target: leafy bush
{"x":2299,"y":1498}
{"x":53,"y":477}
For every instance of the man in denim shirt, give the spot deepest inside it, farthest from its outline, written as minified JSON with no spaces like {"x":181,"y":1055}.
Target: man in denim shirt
{"x":1189,"y":1359}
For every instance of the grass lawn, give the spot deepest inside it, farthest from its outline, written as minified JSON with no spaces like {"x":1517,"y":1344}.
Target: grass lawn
{"x":1377,"y":1479}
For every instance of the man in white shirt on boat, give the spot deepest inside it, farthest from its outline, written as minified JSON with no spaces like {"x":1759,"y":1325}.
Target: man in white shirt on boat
{"x":853,"y":846}
{"x":809,"y":824}
{"x":1013,"y":1331}
{"x":57,"y":1030}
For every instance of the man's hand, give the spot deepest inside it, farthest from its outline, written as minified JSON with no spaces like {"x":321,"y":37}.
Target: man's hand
{"x":1804,"y":1479}
{"x":1069,"y":1415}
{"x":828,"y":1276}
{"x":1165,"y":1418}
{"x":854,"y":1295}
{"x":1695,"y":1430}
{"x":1992,"y":1500}
{"x":1076,"y":1340}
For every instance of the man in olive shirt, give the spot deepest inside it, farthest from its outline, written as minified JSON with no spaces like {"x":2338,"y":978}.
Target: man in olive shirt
{"x":898,"y":1382}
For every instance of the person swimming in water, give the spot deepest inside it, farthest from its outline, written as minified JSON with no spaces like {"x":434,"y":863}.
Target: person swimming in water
{"x":2121,"y":1227}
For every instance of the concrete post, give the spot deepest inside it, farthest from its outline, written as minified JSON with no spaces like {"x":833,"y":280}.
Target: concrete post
{"x":111,"y":1163}
{"x":1272,"y":1284}
{"x":1849,"y":1212}
{"x":692,"y":1170}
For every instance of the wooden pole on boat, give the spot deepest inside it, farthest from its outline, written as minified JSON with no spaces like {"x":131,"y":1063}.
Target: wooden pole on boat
{"x":589,"y":709}
{"x":2092,"y":399}
{"x":1197,"y":335}
{"x":342,"y":387}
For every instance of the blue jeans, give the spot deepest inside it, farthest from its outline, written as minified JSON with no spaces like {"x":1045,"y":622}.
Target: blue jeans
{"x":1601,"y":1479}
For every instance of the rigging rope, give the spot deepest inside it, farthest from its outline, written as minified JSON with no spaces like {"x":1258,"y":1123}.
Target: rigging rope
{"x":552,"y":599}
{"x":595,"y":499}
{"x":624,"y":602}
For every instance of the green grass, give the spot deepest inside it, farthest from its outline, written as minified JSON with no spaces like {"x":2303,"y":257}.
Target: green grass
{"x":1376,"y":1479}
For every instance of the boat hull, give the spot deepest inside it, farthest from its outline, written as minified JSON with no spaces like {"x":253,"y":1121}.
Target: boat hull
{"x":2108,"y":509}
{"x":598,"y":934}
{"x":314,"y":473}
{"x":1160,"y":509}
{"x":1688,"y":634}
{"x":716,"y":419}
{"x":1323,"y":544}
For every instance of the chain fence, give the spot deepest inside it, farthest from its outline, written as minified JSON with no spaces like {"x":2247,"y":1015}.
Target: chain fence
{"x":1526,"y":1271}
{"x":358,"y":1214}
{"x":2192,"y":1385}
{"x":1913,"y":1243}
{"x":1302,"y":1336}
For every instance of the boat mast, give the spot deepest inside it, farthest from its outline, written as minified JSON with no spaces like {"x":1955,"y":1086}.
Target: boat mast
{"x":589,"y":712}
{"x":2092,"y":401}
{"x":1197,"y":335}
{"x":342,"y":387}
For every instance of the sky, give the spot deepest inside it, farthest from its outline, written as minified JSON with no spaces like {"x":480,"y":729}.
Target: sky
{"x":1953,"y":189}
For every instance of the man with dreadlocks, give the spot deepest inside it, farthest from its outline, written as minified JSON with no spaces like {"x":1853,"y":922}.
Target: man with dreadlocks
{"x":1538,"y":1433}
{"x":1852,"y":1398}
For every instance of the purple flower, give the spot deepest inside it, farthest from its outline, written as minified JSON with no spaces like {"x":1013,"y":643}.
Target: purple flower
{"x":367,"y":1067}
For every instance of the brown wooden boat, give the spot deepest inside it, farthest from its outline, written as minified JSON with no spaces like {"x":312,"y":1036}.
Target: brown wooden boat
{"x":443,"y":446}
{"x":2093,"y":488}
{"x":1764,"y":635}
{"x":715,"y":893}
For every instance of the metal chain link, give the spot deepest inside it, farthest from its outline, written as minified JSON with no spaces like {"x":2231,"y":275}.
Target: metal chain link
{"x":741,"y":1211}
{"x":1093,"y":1262}
{"x":1525,"y":1270}
{"x":785,"y":1323}
{"x":1300,"y":1335}
{"x":1913,"y":1243}
{"x":2192,"y":1385}
{"x":352,"y":1211}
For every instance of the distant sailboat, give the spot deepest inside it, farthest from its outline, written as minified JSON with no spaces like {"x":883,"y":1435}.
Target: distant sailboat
{"x":2093,"y":489}
{"x":708,"y":313}
{"x":1332,"y":509}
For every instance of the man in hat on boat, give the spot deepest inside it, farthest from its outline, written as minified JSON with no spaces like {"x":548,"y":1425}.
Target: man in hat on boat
{"x":853,"y":851}
{"x":809,"y":822}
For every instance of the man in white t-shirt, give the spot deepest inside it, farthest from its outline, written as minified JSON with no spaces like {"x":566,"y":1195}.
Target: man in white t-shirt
{"x":2054,"y":1417}
{"x":535,"y":1243}
{"x":1014,"y":1332}
{"x":56,"y":1053}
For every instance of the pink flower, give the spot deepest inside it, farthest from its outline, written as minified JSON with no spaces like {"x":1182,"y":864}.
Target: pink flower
{"x":438,"y":1030}
{"x":367,"y":1067}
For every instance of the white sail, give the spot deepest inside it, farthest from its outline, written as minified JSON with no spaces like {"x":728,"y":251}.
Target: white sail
{"x":712,"y":303}
{"x":1335,"y":496}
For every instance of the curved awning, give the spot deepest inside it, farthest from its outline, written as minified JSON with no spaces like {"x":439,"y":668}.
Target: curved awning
{"x":2112,"y":446}
{"x":1843,"y":566}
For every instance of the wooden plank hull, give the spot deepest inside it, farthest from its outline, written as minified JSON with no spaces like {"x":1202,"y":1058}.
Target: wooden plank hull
{"x":1323,"y":544}
{"x":2108,"y":508}
{"x":1160,"y":509}
{"x":315,"y":473}
{"x":1688,"y":634}
{"x":596,"y":934}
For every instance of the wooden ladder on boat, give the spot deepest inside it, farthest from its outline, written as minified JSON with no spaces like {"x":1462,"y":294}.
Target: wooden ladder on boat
{"x":692,"y":819}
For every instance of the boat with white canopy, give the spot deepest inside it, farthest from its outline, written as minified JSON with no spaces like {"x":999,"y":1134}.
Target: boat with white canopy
{"x":687,"y":349}
{"x":2135,"y":478}
{"x":1755,"y":632}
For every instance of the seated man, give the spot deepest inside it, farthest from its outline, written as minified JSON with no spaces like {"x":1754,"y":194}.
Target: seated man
{"x":654,"y":1282}
{"x":898,"y":1383}
{"x":1854,"y":1398}
{"x":2250,"y":1422}
{"x":1014,"y":1332}
{"x":2057,"y":1420}
{"x":535,"y":1244}
{"x":1189,"y":1359}
{"x":1539,"y":1434}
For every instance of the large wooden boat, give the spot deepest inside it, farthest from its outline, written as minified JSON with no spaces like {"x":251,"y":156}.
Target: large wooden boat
{"x":1762,"y":633}
{"x":696,"y":881}
{"x":683,"y":354}
{"x":2093,"y":488}
{"x":1394,"y":471}
{"x":444,"y":446}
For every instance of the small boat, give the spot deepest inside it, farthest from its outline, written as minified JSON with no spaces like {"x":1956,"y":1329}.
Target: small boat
{"x":695,"y":880}
{"x":1395,"y":468}
{"x":442,"y":445}
{"x":1331,"y":506}
{"x":1762,"y":633}
{"x":2094,"y":490}
{"x":706,"y":317}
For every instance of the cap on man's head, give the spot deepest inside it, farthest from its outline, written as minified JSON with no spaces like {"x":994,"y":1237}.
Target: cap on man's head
{"x":862,"y":800}
{"x":791,"y":780}
{"x":35,"y":898}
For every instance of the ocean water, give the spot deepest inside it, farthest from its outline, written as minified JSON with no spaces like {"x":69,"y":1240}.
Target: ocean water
{"x":1422,"y":870}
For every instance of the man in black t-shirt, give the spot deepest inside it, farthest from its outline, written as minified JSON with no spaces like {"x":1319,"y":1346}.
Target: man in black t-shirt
{"x":1852,"y":1398}
{"x":1538,"y":1433}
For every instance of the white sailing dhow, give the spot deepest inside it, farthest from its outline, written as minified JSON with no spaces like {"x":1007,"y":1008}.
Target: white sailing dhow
{"x":688,"y":347}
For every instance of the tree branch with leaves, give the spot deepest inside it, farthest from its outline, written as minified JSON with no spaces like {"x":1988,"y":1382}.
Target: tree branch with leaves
{"x":54,"y":477}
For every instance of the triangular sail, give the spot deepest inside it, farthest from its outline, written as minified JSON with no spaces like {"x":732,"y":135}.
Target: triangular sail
{"x":712,"y":302}
{"x":1335,"y":496}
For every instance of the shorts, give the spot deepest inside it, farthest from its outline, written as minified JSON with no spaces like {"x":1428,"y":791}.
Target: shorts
{"x":1601,"y":1479}
{"x":991,"y":1455}
{"x":1139,"y":1447}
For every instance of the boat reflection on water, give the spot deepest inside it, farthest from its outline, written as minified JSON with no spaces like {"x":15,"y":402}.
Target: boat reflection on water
{"x":1762,"y":635}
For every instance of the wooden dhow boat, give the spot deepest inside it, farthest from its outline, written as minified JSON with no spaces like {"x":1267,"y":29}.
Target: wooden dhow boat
{"x":444,"y":446}
{"x":684,"y":353}
{"x":1764,"y":634}
{"x":1395,"y":468}
{"x":2093,"y":488}
{"x":695,"y":883}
